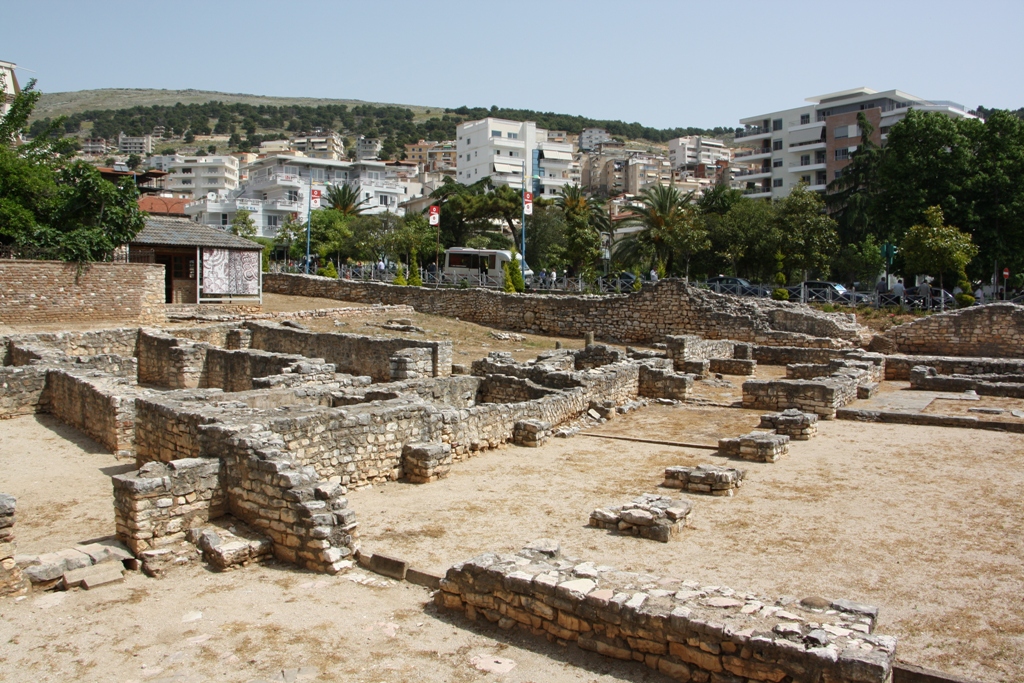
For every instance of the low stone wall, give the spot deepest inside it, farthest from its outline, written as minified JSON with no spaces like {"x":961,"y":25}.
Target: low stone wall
{"x":928,"y":379}
{"x":822,"y":395}
{"x":995,"y":330}
{"x":660,"y":383}
{"x":169,"y":361}
{"x":349,"y":353}
{"x":683,"y":630}
{"x":899,"y":367}
{"x":57,"y":292}
{"x":426,"y":462}
{"x":236,"y":370}
{"x":505,"y":389}
{"x":156,"y":505}
{"x":96,"y":405}
{"x":12,"y":581}
{"x":784,"y":355}
{"x":732,"y":366}
{"x":755,"y":446}
{"x":651,"y":516}
{"x":21,"y":389}
{"x":684,"y":347}
{"x":166,"y":430}
{"x":669,"y":307}
{"x":796,"y":425}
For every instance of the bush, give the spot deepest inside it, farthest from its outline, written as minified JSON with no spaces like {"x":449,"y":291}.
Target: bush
{"x":517,"y":276}
{"x":463,"y":283}
{"x":780,"y":294}
{"x":414,"y":272}
{"x":963,"y":300}
{"x":328,"y":271}
{"x":509,"y":285}
{"x":400,"y":277}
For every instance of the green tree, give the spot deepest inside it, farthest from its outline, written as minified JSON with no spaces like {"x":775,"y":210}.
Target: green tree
{"x":935,"y":248}
{"x":400,"y":276}
{"x":509,"y":285}
{"x":809,"y":239}
{"x":851,"y":198}
{"x":670,"y":230}
{"x":329,"y":233}
{"x":134,"y":160}
{"x":545,"y":237}
{"x":243,"y":225}
{"x":414,"y":271}
{"x":584,"y":219}
{"x":861,"y":262}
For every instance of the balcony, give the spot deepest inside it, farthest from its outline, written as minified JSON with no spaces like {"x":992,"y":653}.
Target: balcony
{"x":762,"y":153}
{"x":796,"y":167}
{"x":753,"y":132}
{"x":807,"y":146}
{"x":289,"y":179}
{"x":795,"y":126}
{"x":752,"y":174}
{"x":757,"y":192}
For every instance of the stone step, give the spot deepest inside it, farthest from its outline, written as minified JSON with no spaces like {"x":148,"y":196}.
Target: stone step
{"x":93,"y":575}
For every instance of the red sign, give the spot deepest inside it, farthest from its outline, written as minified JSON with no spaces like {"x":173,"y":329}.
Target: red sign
{"x":528,"y":203}
{"x":434,"y":214}
{"x":1006,"y":273}
{"x":314,"y":199}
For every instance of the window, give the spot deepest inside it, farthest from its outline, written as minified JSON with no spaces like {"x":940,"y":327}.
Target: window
{"x":293,"y":195}
{"x":777,"y":182}
{"x":838,"y":174}
{"x":467,"y":141}
{"x":819,"y":157}
{"x":777,"y":124}
{"x":776,"y":163}
{"x":382,"y":200}
{"x":842,"y":132}
{"x":495,"y":133}
{"x":187,"y":170}
{"x":513,"y":136}
{"x":273,"y":221}
{"x":805,"y":159}
{"x":842,"y":154}
{"x":186,"y":181}
{"x":474,"y":154}
{"x":183,"y":268}
{"x":317,"y":174}
{"x":805,"y":118}
{"x":805,"y":179}
{"x":776,"y":145}
{"x":223,"y":219}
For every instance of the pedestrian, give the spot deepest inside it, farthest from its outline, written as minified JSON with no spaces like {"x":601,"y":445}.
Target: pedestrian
{"x":543,"y":279}
{"x":979,"y":295}
{"x":899,"y":290}
{"x":654,"y":275}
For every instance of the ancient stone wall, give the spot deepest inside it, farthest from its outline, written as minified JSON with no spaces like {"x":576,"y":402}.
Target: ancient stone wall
{"x":662,"y":383}
{"x":995,"y":330}
{"x":96,"y":404}
{"x":505,"y":389}
{"x":58,"y":292}
{"x":120,"y":342}
{"x":683,"y":630}
{"x":668,"y":308}
{"x":235,"y":370}
{"x":899,"y":367}
{"x":21,"y":389}
{"x":12,"y":581}
{"x":166,"y":430}
{"x":928,"y":379}
{"x":350,"y":354}
{"x":168,"y":361}
{"x":822,"y":396}
{"x":685,"y":347}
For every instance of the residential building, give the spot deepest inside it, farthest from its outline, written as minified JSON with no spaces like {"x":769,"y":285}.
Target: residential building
{"x":689,"y":153}
{"x":141,"y":145}
{"x":434,"y":156}
{"x":320,"y":145}
{"x":197,"y":176}
{"x":590,"y":138}
{"x":368,"y":148}
{"x":9,"y":87}
{"x":813,"y":143}
{"x":555,"y":166}
{"x":94,"y":146}
{"x":278,"y":188}
{"x":643,"y":170}
{"x":269,"y":147}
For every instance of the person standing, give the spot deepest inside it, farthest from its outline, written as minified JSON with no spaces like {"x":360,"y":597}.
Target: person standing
{"x":654,"y":275}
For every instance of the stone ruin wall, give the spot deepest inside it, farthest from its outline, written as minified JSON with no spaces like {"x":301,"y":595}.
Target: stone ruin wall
{"x":685,"y":631}
{"x":58,"y":292}
{"x":669,"y":307}
{"x":994,"y":331}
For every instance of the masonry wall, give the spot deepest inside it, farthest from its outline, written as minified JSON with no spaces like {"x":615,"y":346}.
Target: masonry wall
{"x":58,"y":292}
{"x":670,"y":307}
{"x":94,"y":405}
{"x":166,"y":431}
{"x":349,"y":353}
{"x":120,"y":341}
{"x":899,"y":367}
{"x":21,"y":389}
{"x":995,"y":330}
{"x":167,"y":361}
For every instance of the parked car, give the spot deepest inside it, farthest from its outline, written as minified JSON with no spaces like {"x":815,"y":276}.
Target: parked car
{"x":736,"y":285}
{"x":622,"y":282}
{"x":822,"y":292}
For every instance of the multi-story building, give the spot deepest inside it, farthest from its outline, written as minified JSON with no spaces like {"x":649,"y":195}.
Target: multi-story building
{"x":368,"y":148}
{"x":813,"y":143}
{"x":320,"y":145}
{"x":140,"y":145}
{"x":278,"y":188}
{"x":691,"y":152}
{"x":94,"y":146}
{"x":9,"y":87}
{"x":507,"y":151}
{"x":643,"y":170}
{"x":268,"y":147}
{"x":590,"y":138}
{"x":433,"y":156}
{"x":197,"y":176}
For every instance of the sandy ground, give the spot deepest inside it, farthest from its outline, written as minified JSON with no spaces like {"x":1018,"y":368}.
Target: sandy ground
{"x":61,"y":479}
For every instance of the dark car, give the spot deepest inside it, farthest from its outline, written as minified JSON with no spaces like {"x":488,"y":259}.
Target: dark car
{"x":622,"y":282}
{"x":822,"y":292}
{"x":735,"y":285}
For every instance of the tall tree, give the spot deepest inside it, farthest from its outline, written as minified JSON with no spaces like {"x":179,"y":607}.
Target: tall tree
{"x":243,"y":225}
{"x":935,"y":248}
{"x":670,"y":230}
{"x":851,"y":196}
{"x":345,"y":199}
{"x":584,"y":217}
{"x":809,"y":238}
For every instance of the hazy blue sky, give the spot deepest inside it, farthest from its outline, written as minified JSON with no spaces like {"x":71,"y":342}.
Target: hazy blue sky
{"x":661,"y":63}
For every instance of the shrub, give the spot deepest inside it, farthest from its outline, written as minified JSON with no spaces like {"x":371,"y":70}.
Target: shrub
{"x":328,"y":271}
{"x":509,"y":285}
{"x":463,"y":283}
{"x":400,"y":277}
{"x":780,"y":294}
{"x":414,"y":272}
{"x":517,"y":276}
{"x":963,"y":300}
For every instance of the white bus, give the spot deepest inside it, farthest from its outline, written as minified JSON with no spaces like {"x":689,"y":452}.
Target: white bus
{"x":482,"y":267}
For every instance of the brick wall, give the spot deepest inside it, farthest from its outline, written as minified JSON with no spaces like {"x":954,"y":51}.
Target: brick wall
{"x":53,"y":291}
{"x":670,"y":307}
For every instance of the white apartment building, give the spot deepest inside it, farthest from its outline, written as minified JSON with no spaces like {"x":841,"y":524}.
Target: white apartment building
{"x":368,"y":148}
{"x":812,"y":144}
{"x":9,"y":86}
{"x":506,"y":151}
{"x":278,"y":188}
{"x":689,"y":152}
{"x":141,"y":145}
{"x":590,"y":138}
{"x":197,"y":176}
{"x":320,"y":145}
{"x":94,"y":146}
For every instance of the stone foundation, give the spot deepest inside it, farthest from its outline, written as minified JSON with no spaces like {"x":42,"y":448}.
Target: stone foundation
{"x":423,"y":463}
{"x":710,"y":479}
{"x":531,"y":433}
{"x":732,"y":366}
{"x":683,"y":630}
{"x":995,"y":330}
{"x":756,"y":446}
{"x":796,"y":425}
{"x":928,"y":379}
{"x":651,"y":516}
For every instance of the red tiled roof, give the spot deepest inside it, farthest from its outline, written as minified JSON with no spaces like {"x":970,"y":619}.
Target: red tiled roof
{"x":163,"y":206}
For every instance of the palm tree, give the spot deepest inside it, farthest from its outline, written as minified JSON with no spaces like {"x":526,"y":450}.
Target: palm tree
{"x":345,"y":199}
{"x":669,"y":227}
{"x":572,"y":200}
{"x":585,"y":220}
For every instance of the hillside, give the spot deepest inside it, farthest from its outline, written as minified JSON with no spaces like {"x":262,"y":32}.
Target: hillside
{"x":57,"y":104}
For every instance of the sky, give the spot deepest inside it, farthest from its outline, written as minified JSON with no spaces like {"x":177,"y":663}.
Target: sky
{"x":661,"y":63}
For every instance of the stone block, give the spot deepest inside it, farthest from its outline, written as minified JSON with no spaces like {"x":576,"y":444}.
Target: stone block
{"x":388,"y":566}
{"x":649,"y":516}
